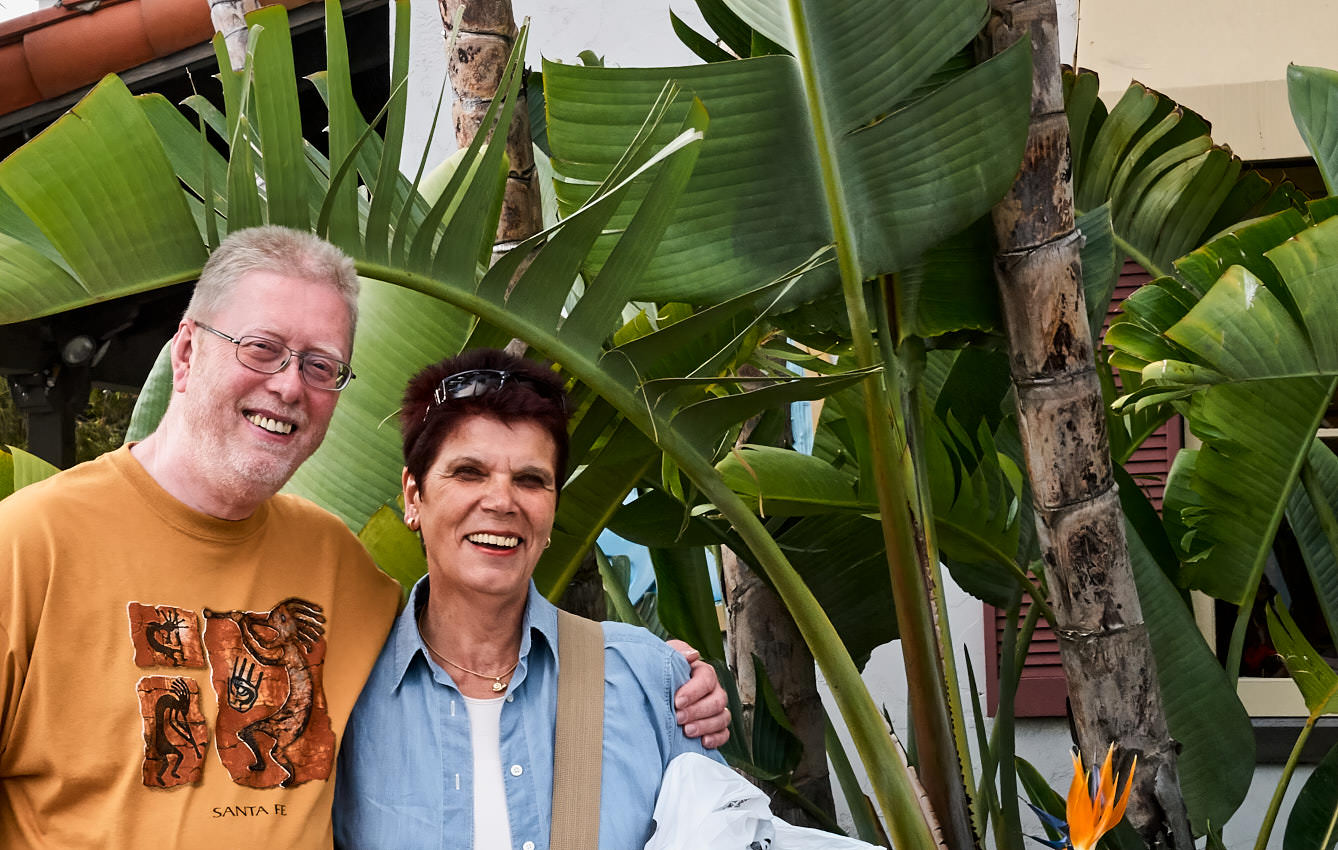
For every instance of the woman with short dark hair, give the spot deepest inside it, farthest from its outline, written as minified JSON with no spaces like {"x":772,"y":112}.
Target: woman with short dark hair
{"x":452,"y":742}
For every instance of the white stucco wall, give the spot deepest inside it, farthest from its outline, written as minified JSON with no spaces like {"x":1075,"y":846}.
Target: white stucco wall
{"x":624,"y":32}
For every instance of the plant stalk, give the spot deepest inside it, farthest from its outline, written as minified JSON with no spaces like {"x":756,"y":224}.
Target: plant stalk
{"x":940,"y":764}
{"x":1275,"y":804}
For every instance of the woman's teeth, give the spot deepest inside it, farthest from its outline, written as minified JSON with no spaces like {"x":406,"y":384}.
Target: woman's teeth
{"x":495,"y":540}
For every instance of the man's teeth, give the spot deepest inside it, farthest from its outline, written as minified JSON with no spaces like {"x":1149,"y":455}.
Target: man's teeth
{"x":272,"y":425}
{"x":495,"y":540}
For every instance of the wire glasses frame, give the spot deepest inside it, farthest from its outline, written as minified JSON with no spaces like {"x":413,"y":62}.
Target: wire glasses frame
{"x":477,"y":382}
{"x":270,"y":357}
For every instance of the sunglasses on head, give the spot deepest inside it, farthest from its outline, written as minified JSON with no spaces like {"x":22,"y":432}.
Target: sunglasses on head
{"x":479,"y":382}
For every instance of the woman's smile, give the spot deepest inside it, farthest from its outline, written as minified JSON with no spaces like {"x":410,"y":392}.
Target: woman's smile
{"x":486,"y":505}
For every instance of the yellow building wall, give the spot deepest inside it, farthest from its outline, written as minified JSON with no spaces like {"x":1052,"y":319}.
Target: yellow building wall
{"x":1225,"y":59}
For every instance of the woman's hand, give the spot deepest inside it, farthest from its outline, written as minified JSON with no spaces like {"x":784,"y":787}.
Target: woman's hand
{"x":702,"y":708}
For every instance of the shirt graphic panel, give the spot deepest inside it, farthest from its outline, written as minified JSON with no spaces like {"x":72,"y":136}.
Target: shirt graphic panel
{"x":175,"y":734}
{"x":165,"y":636}
{"x":273,"y":728}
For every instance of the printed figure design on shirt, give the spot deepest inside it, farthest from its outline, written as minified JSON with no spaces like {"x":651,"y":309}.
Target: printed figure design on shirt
{"x":175,"y":734}
{"x":165,"y":636}
{"x":273,"y":726}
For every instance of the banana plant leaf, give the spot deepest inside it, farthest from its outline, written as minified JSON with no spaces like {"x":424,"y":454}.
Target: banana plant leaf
{"x":83,"y":186}
{"x":685,"y":604}
{"x":1255,"y":362}
{"x":396,"y":550}
{"x":1170,"y":188}
{"x":1203,"y":713}
{"x":1313,"y":95}
{"x":755,"y":205}
{"x":1314,"y":678}
{"x":1310,"y":513}
{"x":18,"y":469}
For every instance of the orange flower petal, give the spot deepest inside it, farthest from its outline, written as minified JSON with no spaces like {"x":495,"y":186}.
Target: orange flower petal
{"x":1082,"y":818}
{"x":1094,"y":807}
{"x":1118,"y":813}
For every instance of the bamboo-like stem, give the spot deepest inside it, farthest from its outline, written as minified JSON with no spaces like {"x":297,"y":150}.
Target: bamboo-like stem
{"x":1104,"y":646}
{"x":483,"y":43}
{"x":229,"y":18}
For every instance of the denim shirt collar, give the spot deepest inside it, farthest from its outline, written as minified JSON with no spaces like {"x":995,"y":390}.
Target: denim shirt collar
{"x":540,"y":616}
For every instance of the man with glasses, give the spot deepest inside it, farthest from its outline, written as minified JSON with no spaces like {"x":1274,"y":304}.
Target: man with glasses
{"x":163,"y":601}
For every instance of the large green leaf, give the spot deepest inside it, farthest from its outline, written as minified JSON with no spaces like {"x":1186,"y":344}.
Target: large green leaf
{"x":589,"y":500}
{"x":153,"y":397}
{"x":975,"y":494}
{"x":1168,"y":185}
{"x":6,"y":474}
{"x":288,"y":183}
{"x":21,"y":468}
{"x":1313,"y":95}
{"x":1203,"y":713}
{"x":1310,"y":513}
{"x":1257,"y":362}
{"x":843,"y":559}
{"x":781,"y":482}
{"x":396,"y":550}
{"x":775,"y":746}
{"x":686,"y":606}
{"x":755,"y":206}
{"x":1314,"y":678}
{"x":85,"y":184}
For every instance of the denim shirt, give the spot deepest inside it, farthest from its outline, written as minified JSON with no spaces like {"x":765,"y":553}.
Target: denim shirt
{"x":405,"y":777}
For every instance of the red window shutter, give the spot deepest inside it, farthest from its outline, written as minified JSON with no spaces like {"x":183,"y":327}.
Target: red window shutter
{"x":1042,"y":689}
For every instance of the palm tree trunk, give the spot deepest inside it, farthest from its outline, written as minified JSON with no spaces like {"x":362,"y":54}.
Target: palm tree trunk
{"x":1103,"y":641}
{"x":229,"y":17}
{"x":760,"y":625}
{"x":482,"y":47}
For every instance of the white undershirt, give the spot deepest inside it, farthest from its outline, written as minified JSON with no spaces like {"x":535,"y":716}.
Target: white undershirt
{"x":492,"y":827}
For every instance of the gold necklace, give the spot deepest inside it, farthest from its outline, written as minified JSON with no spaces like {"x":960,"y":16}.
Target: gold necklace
{"x":497,"y":684}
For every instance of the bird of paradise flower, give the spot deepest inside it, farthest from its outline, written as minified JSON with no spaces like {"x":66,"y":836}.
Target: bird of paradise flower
{"x":1093,"y":807}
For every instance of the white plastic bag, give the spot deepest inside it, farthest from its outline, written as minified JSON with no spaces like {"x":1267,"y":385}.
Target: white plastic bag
{"x":703,"y":805}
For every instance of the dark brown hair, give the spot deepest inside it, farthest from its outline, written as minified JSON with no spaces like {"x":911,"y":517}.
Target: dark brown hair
{"x":425,"y":425}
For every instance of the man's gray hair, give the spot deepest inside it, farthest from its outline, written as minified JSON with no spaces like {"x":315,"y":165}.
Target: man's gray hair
{"x":278,"y":250}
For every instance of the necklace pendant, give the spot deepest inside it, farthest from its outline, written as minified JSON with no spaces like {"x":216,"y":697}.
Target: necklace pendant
{"x":498,"y":687}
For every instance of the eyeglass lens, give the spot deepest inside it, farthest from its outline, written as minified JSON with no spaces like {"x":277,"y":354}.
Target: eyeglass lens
{"x":266,"y":355}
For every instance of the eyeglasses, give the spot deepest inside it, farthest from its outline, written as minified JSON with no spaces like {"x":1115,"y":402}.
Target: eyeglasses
{"x":477,"y":382}
{"x":270,"y":357}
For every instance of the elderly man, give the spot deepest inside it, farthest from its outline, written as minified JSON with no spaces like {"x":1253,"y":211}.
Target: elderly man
{"x":162,"y":601}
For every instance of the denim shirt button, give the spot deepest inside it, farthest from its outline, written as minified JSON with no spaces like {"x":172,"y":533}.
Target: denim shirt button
{"x":528,"y":845}
{"x":517,"y":770}
{"x":510,"y":697}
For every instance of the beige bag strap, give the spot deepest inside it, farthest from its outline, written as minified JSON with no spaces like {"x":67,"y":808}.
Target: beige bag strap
{"x":578,"y":748}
